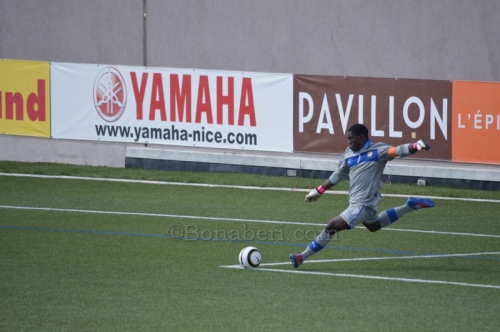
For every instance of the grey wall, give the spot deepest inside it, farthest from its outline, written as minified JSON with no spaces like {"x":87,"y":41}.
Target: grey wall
{"x":445,"y":39}
{"x":81,"y":31}
{"x":428,"y":39}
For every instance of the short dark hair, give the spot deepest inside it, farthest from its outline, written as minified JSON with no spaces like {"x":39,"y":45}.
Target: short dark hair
{"x":358,"y":128}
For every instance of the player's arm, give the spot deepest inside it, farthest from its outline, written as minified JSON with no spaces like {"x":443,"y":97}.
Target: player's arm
{"x":419,"y":146}
{"x":340,"y":174}
{"x":408,"y":149}
{"x":317,"y":192}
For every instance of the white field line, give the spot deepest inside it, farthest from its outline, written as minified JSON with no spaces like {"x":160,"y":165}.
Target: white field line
{"x":435,"y":232}
{"x":361,"y":276}
{"x":160,"y":215}
{"x":372,"y":259}
{"x":278,"y":222}
{"x":334,"y":192}
{"x":238,"y":187}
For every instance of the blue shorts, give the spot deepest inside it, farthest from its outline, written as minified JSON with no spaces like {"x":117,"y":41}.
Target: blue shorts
{"x":356,"y":214}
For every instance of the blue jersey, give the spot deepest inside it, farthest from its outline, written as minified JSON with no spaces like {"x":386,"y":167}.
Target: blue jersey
{"x":364,"y":169}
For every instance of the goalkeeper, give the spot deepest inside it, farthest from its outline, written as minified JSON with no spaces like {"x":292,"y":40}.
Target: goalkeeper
{"x":362,"y":163}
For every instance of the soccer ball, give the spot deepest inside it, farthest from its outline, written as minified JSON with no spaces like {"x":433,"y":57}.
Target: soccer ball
{"x":250,"y":257}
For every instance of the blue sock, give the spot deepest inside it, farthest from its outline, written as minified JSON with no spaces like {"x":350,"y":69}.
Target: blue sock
{"x":317,"y":244}
{"x":389,"y":216}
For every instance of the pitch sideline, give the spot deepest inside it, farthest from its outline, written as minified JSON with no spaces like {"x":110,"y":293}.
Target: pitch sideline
{"x":335,"y":192}
{"x":231,"y":219}
{"x":361,"y":276}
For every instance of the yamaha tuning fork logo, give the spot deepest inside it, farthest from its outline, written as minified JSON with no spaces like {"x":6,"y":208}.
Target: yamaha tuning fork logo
{"x":110,"y":94}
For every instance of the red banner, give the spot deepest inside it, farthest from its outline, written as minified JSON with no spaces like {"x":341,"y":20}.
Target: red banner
{"x":395,"y":111}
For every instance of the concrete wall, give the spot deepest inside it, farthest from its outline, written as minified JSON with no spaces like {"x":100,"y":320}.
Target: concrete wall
{"x":446,"y":39}
{"x":28,"y":149}
{"x":81,"y":31}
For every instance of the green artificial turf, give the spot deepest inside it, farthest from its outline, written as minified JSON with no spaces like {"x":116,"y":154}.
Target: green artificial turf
{"x":82,"y":255}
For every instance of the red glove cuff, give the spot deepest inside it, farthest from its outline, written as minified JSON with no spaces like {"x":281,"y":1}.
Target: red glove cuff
{"x":320,"y":189}
{"x":415,"y":146}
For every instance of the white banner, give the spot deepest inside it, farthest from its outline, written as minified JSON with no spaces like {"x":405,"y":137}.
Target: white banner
{"x":187,"y":107}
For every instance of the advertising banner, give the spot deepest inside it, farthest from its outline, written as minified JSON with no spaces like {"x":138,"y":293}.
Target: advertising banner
{"x":24,"y":98}
{"x":395,"y":111}
{"x":476,"y":122}
{"x":187,"y":107}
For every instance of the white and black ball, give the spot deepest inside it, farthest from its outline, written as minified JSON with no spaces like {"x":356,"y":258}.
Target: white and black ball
{"x":250,"y":257}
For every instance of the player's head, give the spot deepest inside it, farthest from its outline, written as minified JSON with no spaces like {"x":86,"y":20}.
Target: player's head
{"x":357,"y":135}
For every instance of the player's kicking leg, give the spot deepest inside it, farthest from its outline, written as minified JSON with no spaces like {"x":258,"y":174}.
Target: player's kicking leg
{"x":388,"y":217}
{"x":356,"y":214}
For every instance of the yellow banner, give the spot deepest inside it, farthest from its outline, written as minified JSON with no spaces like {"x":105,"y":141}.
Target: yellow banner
{"x":24,"y":98}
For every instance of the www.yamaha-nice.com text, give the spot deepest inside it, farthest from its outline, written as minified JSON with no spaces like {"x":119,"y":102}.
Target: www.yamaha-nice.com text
{"x":174,"y":134}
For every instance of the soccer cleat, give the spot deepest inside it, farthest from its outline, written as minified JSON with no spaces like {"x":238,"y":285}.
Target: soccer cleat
{"x":296,"y":260}
{"x":420,"y":203}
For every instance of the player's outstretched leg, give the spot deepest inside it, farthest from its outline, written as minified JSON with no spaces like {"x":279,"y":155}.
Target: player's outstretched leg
{"x":389,"y":216}
{"x":420,"y":203}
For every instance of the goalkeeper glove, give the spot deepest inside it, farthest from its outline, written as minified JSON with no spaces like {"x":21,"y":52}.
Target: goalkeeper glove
{"x":421,"y":144}
{"x":315,"y":194}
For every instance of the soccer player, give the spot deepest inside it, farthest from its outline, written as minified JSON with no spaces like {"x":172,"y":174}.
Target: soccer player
{"x":362,"y":163}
